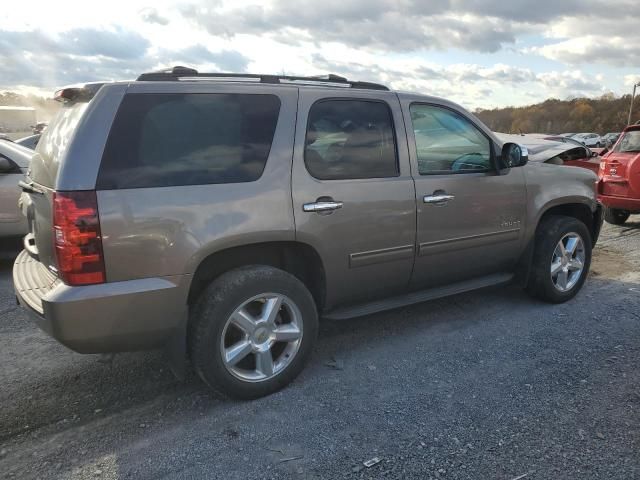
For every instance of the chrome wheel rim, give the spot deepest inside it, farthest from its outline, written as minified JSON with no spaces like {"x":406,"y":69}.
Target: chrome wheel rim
{"x":261,"y":337}
{"x":567,"y":262}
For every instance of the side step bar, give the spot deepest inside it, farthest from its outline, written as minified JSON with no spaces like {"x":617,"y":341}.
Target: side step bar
{"x":417,"y":297}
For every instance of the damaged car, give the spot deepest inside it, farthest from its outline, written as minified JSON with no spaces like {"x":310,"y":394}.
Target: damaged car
{"x":556,"y":150}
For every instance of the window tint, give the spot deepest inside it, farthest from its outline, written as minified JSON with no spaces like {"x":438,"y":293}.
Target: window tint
{"x":188,"y":139}
{"x":447,"y":142}
{"x":348,"y":139}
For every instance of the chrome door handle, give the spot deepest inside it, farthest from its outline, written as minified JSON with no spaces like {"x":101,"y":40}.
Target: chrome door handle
{"x":321,"y":206}
{"x":439,"y":199}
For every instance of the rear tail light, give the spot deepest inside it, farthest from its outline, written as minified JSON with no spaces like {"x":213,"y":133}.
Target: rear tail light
{"x":77,"y":239}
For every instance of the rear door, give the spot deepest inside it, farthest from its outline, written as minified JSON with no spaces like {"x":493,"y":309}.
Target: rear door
{"x":353,"y":195}
{"x":470,"y":217}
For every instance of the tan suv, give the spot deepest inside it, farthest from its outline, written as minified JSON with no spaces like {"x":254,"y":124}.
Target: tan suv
{"x":219,"y":216}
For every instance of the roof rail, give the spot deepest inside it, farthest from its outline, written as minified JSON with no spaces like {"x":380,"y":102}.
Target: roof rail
{"x":177,"y":73}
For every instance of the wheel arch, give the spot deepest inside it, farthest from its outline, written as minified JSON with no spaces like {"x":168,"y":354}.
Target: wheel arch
{"x":299,"y":259}
{"x":575,"y":209}
{"x":578,"y":210}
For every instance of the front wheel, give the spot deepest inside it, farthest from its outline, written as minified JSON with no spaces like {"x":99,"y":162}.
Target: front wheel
{"x":252,"y":331}
{"x":561,"y":259}
{"x":615,"y":216}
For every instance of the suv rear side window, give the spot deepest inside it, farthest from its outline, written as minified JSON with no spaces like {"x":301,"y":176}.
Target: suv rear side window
{"x":349,"y":139}
{"x":160,"y":140}
{"x":447,"y":142}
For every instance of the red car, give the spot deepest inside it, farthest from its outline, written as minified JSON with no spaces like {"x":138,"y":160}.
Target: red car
{"x":619,"y":177}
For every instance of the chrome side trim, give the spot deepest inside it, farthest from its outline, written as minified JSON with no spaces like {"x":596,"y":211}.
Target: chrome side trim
{"x":360,"y":259}
{"x":439,"y":246}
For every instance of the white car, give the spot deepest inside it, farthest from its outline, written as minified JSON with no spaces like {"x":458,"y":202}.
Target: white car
{"x":14,"y":162}
{"x":589,"y":139}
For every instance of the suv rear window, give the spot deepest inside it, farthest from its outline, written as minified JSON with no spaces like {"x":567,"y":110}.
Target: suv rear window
{"x":160,"y":140}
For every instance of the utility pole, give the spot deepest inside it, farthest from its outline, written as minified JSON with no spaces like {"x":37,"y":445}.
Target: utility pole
{"x":632,"y":98}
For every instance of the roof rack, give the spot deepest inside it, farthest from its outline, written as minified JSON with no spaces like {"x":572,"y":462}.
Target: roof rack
{"x":177,"y":73}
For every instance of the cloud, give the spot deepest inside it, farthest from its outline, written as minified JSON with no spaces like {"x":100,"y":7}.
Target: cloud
{"x":612,"y":50}
{"x":381,"y":24}
{"x":151,"y":15}
{"x":115,"y":43}
{"x":224,"y":60}
{"x":469,"y":84}
{"x":85,"y":55}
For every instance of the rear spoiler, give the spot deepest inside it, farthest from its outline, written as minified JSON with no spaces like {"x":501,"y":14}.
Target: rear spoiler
{"x":77,"y":93}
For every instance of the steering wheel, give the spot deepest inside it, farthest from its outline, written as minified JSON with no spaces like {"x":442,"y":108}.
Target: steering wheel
{"x":469,"y":161}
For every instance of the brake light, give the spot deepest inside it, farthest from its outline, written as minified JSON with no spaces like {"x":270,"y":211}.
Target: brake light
{"x":77,"y":239}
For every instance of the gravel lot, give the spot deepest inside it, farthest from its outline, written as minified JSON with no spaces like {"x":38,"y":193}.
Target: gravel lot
{"x":480,"y":386}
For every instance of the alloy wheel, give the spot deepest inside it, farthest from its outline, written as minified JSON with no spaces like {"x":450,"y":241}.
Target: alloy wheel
{"x":261,"y":337}
{"x":567,"y":262}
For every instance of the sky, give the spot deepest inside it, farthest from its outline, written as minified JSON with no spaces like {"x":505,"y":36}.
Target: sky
{"x":480,"y":53}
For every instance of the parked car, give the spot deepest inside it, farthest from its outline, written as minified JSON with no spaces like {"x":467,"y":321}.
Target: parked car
{"x":220,"y":216}
{"x":30,"y":142}
{"x":14,"y":161}
{"x":619,"y":178}
{"x":610,"y":139}
{"x":559,"y":150}
{"x":589,"y":139}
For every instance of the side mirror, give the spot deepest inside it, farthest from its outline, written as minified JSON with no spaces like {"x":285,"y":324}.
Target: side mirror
{"x":6,"y":166}
{"x":514,"y":155}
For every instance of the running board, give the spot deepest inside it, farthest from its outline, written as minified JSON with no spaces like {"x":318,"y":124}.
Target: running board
{"x":417,"y":297}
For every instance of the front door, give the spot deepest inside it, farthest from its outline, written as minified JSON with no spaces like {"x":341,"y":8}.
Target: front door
{"x":469,"y":217}
{"x":353,"y":194}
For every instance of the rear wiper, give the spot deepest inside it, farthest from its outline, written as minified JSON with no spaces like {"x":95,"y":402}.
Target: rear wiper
{"x":29,"y":187}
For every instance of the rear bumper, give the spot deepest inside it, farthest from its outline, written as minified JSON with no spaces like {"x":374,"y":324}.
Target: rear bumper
{"x":111,"y":317}
{"x":622,"y":203}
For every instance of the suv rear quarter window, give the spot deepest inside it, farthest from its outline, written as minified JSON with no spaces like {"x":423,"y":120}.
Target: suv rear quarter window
{"x":160,"y":140}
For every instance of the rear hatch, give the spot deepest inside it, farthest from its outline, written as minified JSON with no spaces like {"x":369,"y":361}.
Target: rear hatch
{"x":39,"y":185}
{"x":620,"y":169}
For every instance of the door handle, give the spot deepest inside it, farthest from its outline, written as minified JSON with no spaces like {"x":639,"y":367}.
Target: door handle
{"x":438,"y":199}
{"x":322,"y":206}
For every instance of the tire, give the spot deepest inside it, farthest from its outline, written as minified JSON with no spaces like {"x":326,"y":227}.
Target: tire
{"x":212,"y":331}
{"x":615,"y":216}
{"x":542,"y":283}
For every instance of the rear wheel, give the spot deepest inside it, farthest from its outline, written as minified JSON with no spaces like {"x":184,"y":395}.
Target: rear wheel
{"x":616,"y":216}
{"x":561,"y":259}
{"x":252,"y":331}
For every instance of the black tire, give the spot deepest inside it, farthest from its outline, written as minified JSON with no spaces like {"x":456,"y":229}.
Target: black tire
{"x":615,"y":216}
{"x":215,"y":305}
{"x":550,"y":231}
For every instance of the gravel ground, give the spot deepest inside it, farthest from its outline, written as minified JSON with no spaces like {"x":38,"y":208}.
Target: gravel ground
{"x":486,"y":385}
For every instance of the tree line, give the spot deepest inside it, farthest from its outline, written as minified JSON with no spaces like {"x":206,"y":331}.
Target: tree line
{"x":607,"y":113}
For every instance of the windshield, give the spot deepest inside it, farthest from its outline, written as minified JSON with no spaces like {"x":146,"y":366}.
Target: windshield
{"x":630,"y":142}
